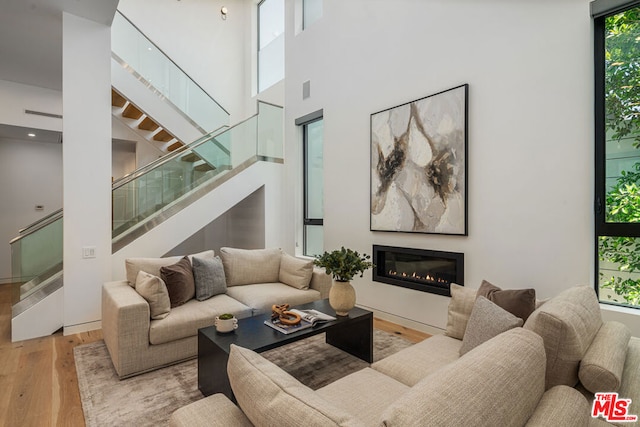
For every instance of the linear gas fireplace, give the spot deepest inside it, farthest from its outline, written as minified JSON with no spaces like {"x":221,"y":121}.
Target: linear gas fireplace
{"x":419,"y":269}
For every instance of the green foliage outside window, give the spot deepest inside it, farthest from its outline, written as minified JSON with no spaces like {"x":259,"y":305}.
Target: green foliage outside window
{"x":622,"y":120}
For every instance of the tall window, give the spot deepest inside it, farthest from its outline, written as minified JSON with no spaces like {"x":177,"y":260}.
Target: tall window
{"x":617,"y":187}
{"x":270,"y":43}
{"x":313,"y":187}
{"x":311,"y":12}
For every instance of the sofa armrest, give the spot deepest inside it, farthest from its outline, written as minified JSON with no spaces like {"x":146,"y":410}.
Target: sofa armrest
{"x":125,"y":323}
{"x":321,"y":282}
{"x":561,"y":406}
{"x":213,"y":411}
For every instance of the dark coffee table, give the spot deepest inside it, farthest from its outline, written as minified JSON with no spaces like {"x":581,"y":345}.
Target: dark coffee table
{"x":353,"y":334}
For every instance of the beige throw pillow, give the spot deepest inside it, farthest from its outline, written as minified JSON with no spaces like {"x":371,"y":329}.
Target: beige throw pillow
{"x":249,"y":266}
{"x":154,"y":291}
{"x":271,"y":397}
{"x":460,"y":306}
{"x":487,"y":320}
{"x":295,"y":272}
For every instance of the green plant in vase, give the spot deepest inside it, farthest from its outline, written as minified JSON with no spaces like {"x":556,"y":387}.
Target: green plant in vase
{"x":343,"y":265}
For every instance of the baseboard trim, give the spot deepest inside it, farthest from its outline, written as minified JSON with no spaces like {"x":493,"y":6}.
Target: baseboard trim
{"x":403,"y":321}
{"x":83,"y":327}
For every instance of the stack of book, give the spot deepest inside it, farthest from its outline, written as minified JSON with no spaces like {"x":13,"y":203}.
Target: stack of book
{"x":309,"y":318}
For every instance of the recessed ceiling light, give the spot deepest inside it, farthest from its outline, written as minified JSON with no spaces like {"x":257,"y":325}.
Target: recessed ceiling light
{"x":31,"y":135}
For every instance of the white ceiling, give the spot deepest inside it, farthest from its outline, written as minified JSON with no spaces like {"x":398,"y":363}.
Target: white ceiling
{"x":31,"y":45}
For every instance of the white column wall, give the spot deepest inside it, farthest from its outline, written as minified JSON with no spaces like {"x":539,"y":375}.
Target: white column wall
{"x":87,"y":168}
{"x":529,"y":66}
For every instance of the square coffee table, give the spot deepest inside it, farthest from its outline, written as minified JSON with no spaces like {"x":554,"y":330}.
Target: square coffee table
{"x":353,"y":334}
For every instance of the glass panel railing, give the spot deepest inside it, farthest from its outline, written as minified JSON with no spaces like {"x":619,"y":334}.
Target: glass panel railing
{"x":146,"y":195}
{"x":142,"y":57}
{"x":36,"y":256}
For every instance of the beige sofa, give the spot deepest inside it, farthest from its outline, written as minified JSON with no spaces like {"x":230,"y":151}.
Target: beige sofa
{"x":541,"y":374}
{"x":255,"y":279}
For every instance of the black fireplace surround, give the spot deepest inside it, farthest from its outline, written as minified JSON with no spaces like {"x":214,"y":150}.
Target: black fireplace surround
{"x":419,"y":269}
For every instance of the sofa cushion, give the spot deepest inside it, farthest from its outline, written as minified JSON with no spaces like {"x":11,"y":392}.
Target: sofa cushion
{"x":414,"y":363}
{"x":270,"y":397}
{"x":179,"y":280}
{"x":260,"y":297}
{"x":486,"y":321}
{"x":601,"y":367}
{"x":154,"y":291}
{"x":248,"y":266}
{"x":519,"y":302}
{"x":364,"y":394}
{"x":152,"y":265}
{"x":498,"y":383}
{"x":148,"y":265}
{"x":295,"y":272}
{"x":561,"y":406}
{"x":185,"y":320}
{"x":209,"y":278}
{"x":212,"y":411}
{"x":460,"y":306}
{"x":631,"y":378}
{"x":567,"y":323}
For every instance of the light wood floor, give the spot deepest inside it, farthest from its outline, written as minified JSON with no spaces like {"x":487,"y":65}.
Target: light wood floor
{"x":38,"y":382}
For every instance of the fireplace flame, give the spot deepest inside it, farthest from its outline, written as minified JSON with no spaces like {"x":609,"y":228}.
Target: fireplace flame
{"x":426,"y":278}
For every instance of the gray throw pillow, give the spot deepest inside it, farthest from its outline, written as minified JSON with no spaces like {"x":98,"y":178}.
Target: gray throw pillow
{"x":487,"y":320}
{"x":209,"y":277}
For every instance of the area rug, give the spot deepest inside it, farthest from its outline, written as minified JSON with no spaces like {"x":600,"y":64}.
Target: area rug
{"x":151,"y":398}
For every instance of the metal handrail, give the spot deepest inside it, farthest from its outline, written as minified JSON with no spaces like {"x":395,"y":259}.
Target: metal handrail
{"x":22,"y":230}
{"x":50,"y":219}
{"x":169,"y":58}
{"x":170,"y":156}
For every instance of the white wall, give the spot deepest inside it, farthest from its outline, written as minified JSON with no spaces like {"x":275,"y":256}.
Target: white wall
{"x":207,"y":48}
{"x":32,"y":173}
{"x":16,"y":98}
{"x":86,"y":82}
{"x":529,"y":66}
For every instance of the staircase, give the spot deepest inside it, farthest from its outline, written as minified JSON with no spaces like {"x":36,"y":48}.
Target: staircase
{"x":154,"y":209}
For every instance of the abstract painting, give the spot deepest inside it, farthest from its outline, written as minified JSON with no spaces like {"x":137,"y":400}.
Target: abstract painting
{"x":419,"y":165}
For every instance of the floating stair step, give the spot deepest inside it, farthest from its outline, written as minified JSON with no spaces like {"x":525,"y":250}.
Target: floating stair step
{"x":204,"y":167}
{"x":174,"y":146}
{"x":132,"y":112}
{"x":163,"y":136}
{"x":191,"y":158}
{"x":117,"y":100}
{"x":148,"y":124}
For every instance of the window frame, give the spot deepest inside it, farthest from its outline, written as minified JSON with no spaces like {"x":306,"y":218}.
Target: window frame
{"x":600,"y":10}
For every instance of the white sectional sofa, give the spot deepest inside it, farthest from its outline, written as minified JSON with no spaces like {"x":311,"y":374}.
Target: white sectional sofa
{"x":541,"y":374}
{"x":255,"y":280}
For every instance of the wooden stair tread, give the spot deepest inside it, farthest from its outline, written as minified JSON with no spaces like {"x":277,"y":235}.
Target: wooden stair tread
{"x":132,"y":112}
{"x":117,"y":100}
{"x":148,"y":124}
{"x":204,"y":167}
{"x":174,"y":146}
{"x":163,"y":136}
{"x":191,"y":157}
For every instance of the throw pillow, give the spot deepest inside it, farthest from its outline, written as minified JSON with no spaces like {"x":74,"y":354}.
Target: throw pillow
{"x":519,"y":302}
{"x":148,"y":265}
{"x":460,"y":306}
{"x":487,"y":320}
{"x":271,"y":397}
{"x":179,"y":280}
{"x":250,"y":266}
{"x":295,"y":272}
{"x":154,"y":291}
{"x":208,"y":275}
{"x":601,"y":367}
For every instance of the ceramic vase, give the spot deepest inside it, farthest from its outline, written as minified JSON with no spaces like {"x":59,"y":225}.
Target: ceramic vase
{"x":226,"y":325}
{"x":342,"y":297}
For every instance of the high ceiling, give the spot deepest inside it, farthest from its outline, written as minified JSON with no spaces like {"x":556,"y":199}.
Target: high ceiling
{"x":31,"y":37}
{"x":31,"y":43}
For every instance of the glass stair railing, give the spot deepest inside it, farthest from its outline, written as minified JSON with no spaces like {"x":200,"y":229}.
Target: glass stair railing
{"x":36,"y":260}
{"x":148,"y":63}
{"x":150,"y":195}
